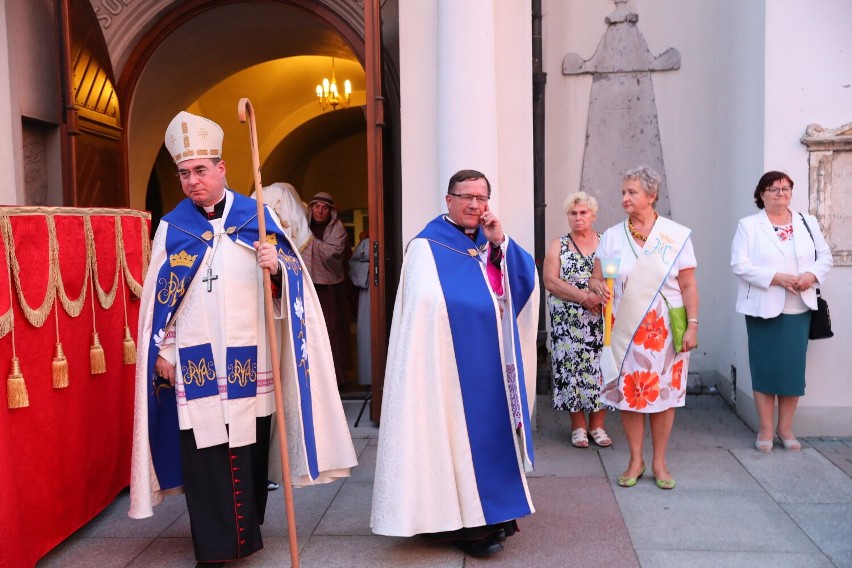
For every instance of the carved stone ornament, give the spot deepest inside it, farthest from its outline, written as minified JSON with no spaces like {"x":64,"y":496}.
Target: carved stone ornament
{"x":830,"y":186}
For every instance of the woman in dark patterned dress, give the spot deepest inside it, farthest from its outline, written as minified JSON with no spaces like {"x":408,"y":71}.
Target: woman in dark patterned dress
{"x":576,"y":323}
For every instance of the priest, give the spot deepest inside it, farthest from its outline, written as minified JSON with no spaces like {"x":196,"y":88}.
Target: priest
{"x":204,"y":381}
{"x":455,"y":440}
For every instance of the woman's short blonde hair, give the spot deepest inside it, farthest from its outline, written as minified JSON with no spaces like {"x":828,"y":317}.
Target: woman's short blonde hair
{"x":580,"y":198}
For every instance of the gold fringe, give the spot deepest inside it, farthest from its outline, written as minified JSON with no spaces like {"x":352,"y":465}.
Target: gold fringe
{"x":96,"y":356}
{"x":72,"y":307}
{"x":106,"y":298}
{"x":16,"y":387}
{"x":60,"y":368}
{"x":129,"y":347}
{"x":36,"y":316}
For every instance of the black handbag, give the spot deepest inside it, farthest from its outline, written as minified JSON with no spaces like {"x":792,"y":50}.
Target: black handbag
{"x":820,"y":320}
{"x":820,"y":317}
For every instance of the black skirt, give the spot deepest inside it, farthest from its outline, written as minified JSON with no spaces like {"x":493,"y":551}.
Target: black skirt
{"x":226,"y":495}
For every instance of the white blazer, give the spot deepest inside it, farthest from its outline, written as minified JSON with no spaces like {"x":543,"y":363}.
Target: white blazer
{"x":756,"y":255}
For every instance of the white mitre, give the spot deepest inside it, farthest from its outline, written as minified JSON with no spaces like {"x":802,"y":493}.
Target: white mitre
{"x":189,"y":137}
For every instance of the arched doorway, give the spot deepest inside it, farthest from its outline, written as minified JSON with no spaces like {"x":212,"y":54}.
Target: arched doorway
{"x":204,"y":56}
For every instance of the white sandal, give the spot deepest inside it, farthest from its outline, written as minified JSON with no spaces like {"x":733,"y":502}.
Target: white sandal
{"x":579,"y":438}
{"x":600,"y":437}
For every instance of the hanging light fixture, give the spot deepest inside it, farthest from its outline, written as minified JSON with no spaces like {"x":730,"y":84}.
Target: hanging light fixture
{"x":329,"y":96}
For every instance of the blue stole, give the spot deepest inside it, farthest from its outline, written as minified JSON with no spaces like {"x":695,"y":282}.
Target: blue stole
{"x":187,"y":240}
{"x":475,"y":329}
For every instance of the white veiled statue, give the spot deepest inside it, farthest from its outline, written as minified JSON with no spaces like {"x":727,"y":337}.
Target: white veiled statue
{"x":283,"y":198}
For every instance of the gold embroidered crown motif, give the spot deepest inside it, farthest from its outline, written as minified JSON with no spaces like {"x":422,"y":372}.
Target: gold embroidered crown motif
{"x":272,"y":239}
{"x":182,"y":259}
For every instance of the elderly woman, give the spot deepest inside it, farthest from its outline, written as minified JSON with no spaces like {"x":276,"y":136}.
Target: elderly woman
{"x":778,"y":255}
{"x":656,"y":274}
{"x":577,"y":326}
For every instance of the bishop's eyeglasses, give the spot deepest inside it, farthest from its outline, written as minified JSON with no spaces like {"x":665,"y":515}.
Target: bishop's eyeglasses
{"x":199,"y":172}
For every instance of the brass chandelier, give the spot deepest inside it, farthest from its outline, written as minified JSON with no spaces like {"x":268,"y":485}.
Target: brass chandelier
{"x":328,"y":94}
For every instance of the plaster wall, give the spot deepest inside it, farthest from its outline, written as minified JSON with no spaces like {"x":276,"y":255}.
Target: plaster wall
{"x":10,"y":122}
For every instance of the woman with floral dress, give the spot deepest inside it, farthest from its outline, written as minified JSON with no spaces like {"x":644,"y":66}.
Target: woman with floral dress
{"x":575,"y":318}
{"x":656,"y":273}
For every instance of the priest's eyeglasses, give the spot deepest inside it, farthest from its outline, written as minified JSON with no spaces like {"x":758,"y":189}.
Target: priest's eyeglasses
{"x":777,"y":190}
{"x":199,"y":172}
{"x":468,"y":197}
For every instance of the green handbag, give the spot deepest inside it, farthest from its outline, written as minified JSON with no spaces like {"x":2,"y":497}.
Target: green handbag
{"x":677,"y":317}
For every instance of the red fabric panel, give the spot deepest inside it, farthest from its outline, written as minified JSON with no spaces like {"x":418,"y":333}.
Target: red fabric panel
{"x":65,"y":457}
{"x":33,"y":254}
{"x":104,"y":232}
{"x":132,"y":233}
{"x":5,"y":299}
{"x":71,"y":238}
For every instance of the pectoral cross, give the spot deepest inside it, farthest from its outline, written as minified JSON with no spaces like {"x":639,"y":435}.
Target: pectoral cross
{"x":209,"y":279}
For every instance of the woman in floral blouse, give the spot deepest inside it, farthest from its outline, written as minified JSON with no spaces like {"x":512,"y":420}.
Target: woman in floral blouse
{"x":656,"y":273}
{"x":576,"y":324}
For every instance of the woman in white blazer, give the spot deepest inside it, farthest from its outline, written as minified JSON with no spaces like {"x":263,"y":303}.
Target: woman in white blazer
{"x":779,"y":264}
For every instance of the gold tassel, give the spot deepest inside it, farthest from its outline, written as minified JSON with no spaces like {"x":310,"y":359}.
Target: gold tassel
{"x":60,"y":368}
{"x":16,"y":387}
{"x":129,"y":347}
{"x":96,"y":356}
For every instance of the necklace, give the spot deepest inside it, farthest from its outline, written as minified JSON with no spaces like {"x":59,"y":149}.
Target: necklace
{"x":636,"y":233}
{"x":210,"y":277}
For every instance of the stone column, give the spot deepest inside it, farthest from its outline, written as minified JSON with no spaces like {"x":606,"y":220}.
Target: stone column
{"x":467,"y":88}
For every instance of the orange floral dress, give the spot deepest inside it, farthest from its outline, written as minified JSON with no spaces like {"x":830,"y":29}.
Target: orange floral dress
{"x":653,"y":376}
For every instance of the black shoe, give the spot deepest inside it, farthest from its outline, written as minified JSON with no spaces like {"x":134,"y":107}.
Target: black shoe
{"x":498,"y":536}
{"x":478,"y":548}
{"x":271,"y":485}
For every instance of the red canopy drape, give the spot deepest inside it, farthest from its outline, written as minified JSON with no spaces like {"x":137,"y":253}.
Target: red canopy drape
{"x":66,"y":456}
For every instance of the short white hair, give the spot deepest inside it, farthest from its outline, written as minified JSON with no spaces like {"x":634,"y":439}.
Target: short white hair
{"x":649,"y":179}
{"x":580,"y":198}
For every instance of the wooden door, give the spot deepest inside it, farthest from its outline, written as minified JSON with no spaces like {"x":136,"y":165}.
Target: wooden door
{"x":91,"y":122}
{"x":375,"y":197}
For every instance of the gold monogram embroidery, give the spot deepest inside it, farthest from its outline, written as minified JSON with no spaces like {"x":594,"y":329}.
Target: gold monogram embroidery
{"x":242,"y":373}
{"x":174,"y":290}
{"x":198,"y":373}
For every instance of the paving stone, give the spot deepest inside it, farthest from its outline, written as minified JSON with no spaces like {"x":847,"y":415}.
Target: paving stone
{"x":829,"y":526}
{"x":791,"y":477}
{"x":707,"y":470}
{"x":731,"y":521}
{"x":715,"y":559}
{"x":114,"y":522}
{"x":349,"y":513}
{"x":80,"y":552}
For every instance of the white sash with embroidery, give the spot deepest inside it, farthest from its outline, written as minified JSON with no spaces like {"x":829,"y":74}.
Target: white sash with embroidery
{"x":652,"y":267}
